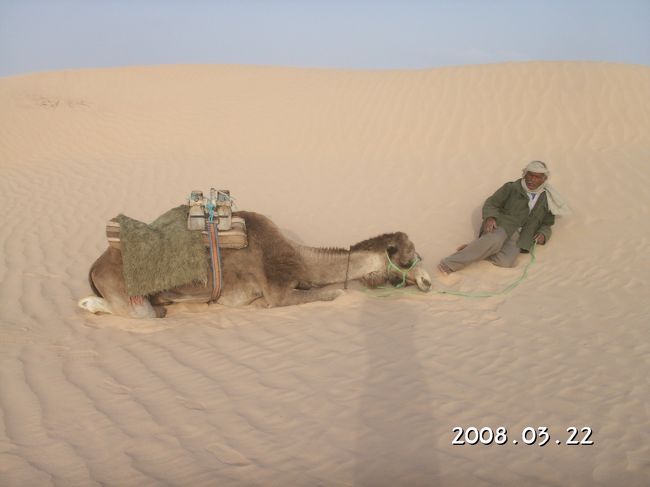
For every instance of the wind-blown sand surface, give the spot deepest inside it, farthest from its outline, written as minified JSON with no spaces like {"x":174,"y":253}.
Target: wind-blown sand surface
{"x":362,"y":390}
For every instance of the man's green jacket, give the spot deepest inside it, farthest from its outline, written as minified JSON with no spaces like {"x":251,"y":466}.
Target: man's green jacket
{"x":509,"y":205}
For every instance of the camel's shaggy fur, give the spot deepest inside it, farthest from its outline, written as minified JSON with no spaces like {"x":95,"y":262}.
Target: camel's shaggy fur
{"x":271,"y":271}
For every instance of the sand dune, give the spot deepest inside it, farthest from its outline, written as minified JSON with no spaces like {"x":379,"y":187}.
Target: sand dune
{"x":362,"y":390}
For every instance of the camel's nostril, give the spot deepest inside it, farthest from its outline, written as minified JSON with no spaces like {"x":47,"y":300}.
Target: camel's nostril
{"x":424,"y":284}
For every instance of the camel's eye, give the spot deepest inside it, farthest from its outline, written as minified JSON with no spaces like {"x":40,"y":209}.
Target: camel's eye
{"x":413,"y":261}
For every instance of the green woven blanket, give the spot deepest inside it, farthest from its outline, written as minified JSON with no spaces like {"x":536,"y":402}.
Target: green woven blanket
{"x":162,"y":255}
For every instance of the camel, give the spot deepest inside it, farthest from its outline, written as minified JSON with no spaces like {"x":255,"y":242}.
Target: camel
{"x":271,"y":271}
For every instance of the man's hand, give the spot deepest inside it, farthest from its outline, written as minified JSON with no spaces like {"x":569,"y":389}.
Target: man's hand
{"x":540,"y":239}
{"x":490,"y":224}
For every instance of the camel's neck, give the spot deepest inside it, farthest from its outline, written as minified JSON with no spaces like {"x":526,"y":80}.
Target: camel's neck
{"x":329,"y":266}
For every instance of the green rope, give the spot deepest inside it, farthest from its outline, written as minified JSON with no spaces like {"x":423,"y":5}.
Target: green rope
{"x":399,"y":269}
{"x":505,"y":290}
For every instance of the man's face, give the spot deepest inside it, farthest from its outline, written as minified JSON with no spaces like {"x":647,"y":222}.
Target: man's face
{"x":533,"y":180}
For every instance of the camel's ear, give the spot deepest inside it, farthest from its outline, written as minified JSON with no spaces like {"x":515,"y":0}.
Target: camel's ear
{"x":400,"y":248}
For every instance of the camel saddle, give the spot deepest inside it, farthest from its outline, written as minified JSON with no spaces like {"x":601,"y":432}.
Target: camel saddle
{"x":165,"y":254}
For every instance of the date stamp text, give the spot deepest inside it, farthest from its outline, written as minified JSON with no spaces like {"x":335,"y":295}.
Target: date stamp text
{"x":528,"y":435}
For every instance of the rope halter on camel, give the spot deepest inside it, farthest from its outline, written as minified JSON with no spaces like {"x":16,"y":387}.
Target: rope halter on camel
{"x":401,"y":270}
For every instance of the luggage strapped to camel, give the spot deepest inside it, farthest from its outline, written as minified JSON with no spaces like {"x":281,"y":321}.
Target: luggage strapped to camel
{"x":212,"y":217}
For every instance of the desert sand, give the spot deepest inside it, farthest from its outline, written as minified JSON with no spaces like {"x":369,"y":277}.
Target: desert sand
{"x":361,"y":391}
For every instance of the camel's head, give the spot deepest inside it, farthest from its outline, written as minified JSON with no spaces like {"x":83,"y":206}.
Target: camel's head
{"x":405,"y":264}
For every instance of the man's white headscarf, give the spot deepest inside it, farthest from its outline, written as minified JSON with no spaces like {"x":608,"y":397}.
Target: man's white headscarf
{"x":556,"y":202}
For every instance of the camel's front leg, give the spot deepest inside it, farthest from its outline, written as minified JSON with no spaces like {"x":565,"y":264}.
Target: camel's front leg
{"x":298,"y":296}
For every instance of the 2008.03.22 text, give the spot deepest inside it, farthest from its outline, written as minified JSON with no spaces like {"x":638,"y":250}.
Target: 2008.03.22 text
{"x":529,"y":435}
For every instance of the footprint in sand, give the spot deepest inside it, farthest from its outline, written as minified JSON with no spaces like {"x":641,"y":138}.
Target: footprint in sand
{"x":227,"y":455}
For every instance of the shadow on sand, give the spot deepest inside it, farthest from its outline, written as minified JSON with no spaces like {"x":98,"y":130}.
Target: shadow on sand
{"x":396,"y":444}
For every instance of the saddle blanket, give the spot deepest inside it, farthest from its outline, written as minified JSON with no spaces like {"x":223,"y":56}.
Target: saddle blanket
{"x":164,"y":254}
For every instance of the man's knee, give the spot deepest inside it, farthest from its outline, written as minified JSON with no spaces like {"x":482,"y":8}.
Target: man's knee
{"x":494,"y":240}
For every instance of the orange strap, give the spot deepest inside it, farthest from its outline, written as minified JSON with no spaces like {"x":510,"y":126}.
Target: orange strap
{"x":215,"y":262}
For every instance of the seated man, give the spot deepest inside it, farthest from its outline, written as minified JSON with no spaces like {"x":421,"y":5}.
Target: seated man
{"x":519,"y":213}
